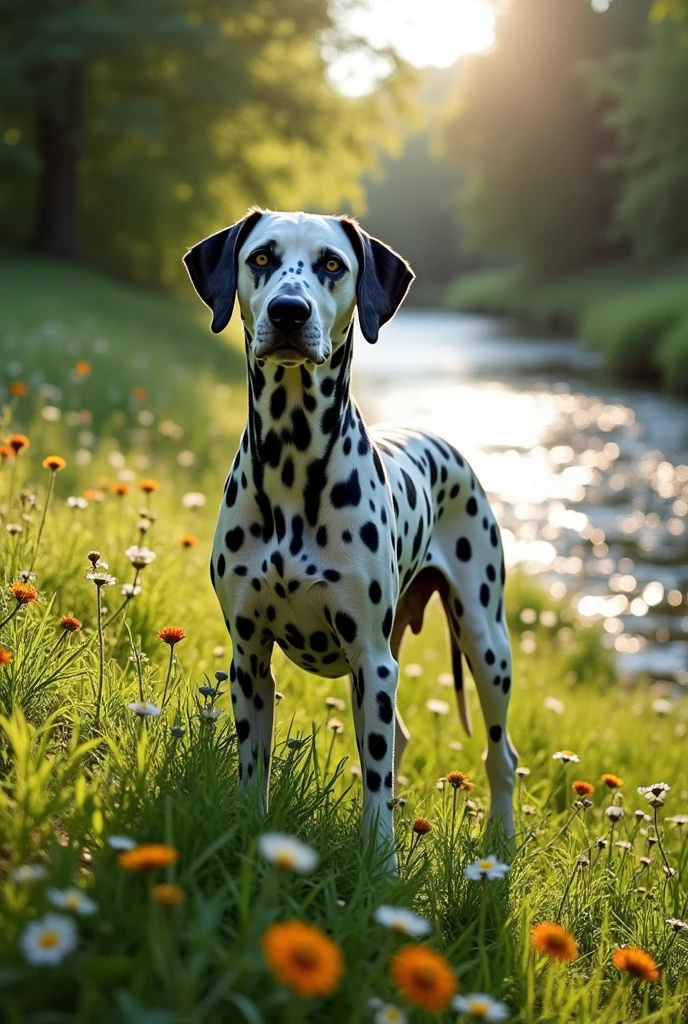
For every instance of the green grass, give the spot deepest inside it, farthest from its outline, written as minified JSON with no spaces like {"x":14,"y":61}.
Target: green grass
{"x":69,"y":782}
{"x":637,"y":318}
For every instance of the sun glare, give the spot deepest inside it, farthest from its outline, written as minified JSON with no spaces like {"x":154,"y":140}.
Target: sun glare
{"x":426,"y":33}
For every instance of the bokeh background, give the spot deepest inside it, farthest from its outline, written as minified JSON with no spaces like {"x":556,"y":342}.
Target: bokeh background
{"x":529,"y":157}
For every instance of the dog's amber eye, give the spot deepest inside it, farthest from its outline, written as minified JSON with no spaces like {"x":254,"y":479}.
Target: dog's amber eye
{"x":261,"y":259}
{"x":333,"y":265}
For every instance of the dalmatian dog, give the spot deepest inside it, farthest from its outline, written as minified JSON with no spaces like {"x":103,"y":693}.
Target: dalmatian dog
{"x":333,"y":536}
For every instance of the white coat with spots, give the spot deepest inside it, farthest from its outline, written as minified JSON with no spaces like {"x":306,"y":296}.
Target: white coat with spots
{"x":332,"y":536}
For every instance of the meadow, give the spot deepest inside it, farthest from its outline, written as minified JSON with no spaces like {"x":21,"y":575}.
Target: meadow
{"x":138,"y":884}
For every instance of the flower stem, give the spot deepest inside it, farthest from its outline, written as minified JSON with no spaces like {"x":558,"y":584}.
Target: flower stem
{"x":101,"y":657}
{"x":169,"y":673}
{"x":10,"y":616}
{"x":51,"y":485}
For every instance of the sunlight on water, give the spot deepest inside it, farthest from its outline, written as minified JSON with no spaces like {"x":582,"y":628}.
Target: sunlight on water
{"x":589,"y":487}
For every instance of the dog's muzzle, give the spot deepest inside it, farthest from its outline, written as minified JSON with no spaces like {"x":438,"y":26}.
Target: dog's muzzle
{"x":288,"y":315}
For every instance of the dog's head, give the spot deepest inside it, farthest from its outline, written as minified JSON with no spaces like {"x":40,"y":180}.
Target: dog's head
{"x":299,"y":278}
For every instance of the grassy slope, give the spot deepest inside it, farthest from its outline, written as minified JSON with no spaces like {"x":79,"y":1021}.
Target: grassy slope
{"x":201,"y":962}
{"x":638,"y":319}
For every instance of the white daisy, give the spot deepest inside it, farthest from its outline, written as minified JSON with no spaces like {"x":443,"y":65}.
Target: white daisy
{"x":140,"y":557}
{"x":335,"y":702}
{"x":523,"y":773}
{"x":72,"y":899}
{"x":488,"y":867}
{"x":287,"y":853}
{"x":210,"y":714}
{"x":27,"y":873}
{"x":615,"y":813}
{"x":677,"y":924}
{"x":388,"y":1013}
{"x":121,"y":843}
{"x":402,"y":921}
{"x":480,"y":1007}
{"x":49,"y":940}
{"x":144,"y":708}
{"x":437,"y":707}
{"x":655,"y":794}
{"x":678,"y":819}
{"x":567,"y":756}
{"x":193,"y":499}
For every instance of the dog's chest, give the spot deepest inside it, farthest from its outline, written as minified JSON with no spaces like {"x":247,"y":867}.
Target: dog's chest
{"x":295,"y":587}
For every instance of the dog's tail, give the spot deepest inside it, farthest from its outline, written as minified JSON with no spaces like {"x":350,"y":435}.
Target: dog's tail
{"x":459,"y":688}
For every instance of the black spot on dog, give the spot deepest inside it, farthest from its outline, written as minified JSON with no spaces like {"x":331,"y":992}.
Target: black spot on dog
{"x":489,"y":656}
{"x":493,"y":536}
{"x":332,"y":575}
{"x":373,"y":780}
{"x":384,"y":706}
{"x":491,"y":574}
{"x":321,"y":537}
{"x":377,"y":745}
{"x":347,"y":493}
{"x":278,"y":402}
{"x":243,"y":729}
{"x":374,"y":592}
{"x":369,"y":535}
{"x":294,"y":636}
{"x":231,"y":493}
{"x":387,"y":623}
{"x":484,"y":595}
{"x":221,"y":565}
{"x":234,"y":538}
{"x":288,"y":472}
{"x":383,"y":672}
{"x":318,"y":641}
{"x":245,"y":628}
{"x":345,"y":626}
{"x":463,"y":549}
{"x":506,"y":684}
{"x":495,"y":733}
{"x":301,"y":432}
{"x":472,"y":506}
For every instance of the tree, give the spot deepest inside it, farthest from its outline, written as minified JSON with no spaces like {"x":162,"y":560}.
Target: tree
{"x":646,"y":96}
{"x":530,"y":139}
{"x":142,"y":123}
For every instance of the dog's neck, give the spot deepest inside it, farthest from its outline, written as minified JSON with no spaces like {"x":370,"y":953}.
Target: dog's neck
{"x":296,"y":417}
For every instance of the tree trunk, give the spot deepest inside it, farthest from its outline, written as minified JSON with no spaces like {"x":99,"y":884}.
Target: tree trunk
{"x":58,"y":124}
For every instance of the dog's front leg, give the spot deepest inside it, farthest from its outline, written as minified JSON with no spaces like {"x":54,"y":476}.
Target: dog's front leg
{"x":374,"y":676}
{"x":253,"y":699}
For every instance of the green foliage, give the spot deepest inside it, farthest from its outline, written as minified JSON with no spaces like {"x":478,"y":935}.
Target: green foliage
{"x":67,"y":786}
{"x":630,"y":328}
{"x":530,"y":140}
{"x":181,"y":113}
{"x":647,"y":111}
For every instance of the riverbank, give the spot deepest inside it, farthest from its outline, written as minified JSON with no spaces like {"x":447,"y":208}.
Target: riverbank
{"x":636,"y":318}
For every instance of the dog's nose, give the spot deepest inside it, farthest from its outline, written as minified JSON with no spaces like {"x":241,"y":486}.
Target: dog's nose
{"x":289,"y":312}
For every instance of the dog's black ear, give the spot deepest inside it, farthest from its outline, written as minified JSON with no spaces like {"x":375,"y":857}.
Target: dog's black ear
{"x":384,"y":278}
{"x":212,"y":267}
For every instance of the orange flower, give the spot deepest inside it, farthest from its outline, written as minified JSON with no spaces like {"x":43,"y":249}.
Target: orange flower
{"x":5,"y":655}
{"x":636,"y":962}
{"x":554,"y":941}
{"x":23,"y":593}
{"x":18,"y":442}
{"x":424,"y":977}
{"x":188,"y":540}
{"x":148,"y":485}
{"x":139,"y":393}
{"x":148,"y":856}
{"x":612,"y":781}
{"x":171,"y":635}
{"x":54,"y":462}
{"x":69,"y":623}
{"x":120,"y":489}
{"x":82,"y":368}
{"x":167,"y":895}
{"x":6,"y":452}
{"x":422,"y":826}
{"x":93,"y":494}
{"x":19,"y":389}
{"x":303,"y":958}
{"x":458,"y":780}
{"x":583,"y":788}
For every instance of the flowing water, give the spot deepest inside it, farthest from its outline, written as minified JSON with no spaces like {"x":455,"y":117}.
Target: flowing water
{"x":588,"y":480}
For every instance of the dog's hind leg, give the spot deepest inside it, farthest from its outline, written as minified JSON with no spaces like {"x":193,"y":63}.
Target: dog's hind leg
{"x":478,"y":631}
